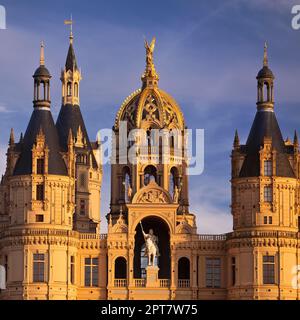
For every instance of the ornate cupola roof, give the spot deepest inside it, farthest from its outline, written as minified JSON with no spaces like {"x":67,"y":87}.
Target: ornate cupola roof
{"x":150,"y":107}
{"x":42,"y":72}
{"x":265,"y":72}
{"x":265,"y":127}
{"x":41,"y":121}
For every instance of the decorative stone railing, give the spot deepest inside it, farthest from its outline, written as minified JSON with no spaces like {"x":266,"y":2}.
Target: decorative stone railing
{"x":183,"y":283}
{"x":212,"y":237}
{"x":140,"y":283}
{"x":120,"y":283}
{"x":164,"y":283}
{"x":263,"y":234}
{"x":92,"y":236}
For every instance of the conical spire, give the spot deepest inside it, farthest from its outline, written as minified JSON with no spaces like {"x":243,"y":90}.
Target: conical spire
{"x":42,"y":54}
{"x":265,"y":62}
{"x":296,"y":142}
{"x":150,"y":76}
{"x":71,"y":63}
{"x":236,"y":142}
{"x":12,"y":137}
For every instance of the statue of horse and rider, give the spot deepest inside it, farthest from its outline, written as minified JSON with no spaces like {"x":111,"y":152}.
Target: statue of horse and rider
{"x":152,"y":250}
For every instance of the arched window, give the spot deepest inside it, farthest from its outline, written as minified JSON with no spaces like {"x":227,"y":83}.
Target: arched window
{"x":150,"y":174}
{"x":120,"y":268}
{"x":183,"y":273}
{"x":76,"y":89}
{"x":126,"y":185}
{"x":69,"y":89}
{"x":266,"y":92}
{"x":184,"y":269}
{"x":174,"y":180}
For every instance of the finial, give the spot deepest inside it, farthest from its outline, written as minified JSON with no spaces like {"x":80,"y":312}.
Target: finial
{"x":70,"y":137}
{"x":265,"y":54}
{"x":42,"y":55}
{"x":12,"y":137}
{"x":70,"y":23}
{"x":150,"y":72}
{"x":236,"y":142}
{"x":296,"y":141}
{"x":21,"y":137}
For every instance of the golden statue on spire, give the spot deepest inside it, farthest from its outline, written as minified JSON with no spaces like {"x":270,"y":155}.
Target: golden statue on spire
{"x":150,"y":71}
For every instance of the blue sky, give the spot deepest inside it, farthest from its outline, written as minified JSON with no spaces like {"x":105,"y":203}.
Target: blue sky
{"x":207,"y":54}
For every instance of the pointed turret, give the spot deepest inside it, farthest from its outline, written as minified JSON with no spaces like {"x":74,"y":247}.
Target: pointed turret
{"x":41,"y":122}
{"x":265,"y":127}
{"x":70,"y":117}
{"x":11,"y":137}
{"x":296,"y":141}
{"x":236,"y":141}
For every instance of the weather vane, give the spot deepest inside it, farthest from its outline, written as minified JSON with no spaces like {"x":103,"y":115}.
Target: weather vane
{"x":70,"y":23}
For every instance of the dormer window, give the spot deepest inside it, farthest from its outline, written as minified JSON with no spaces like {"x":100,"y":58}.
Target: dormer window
{"x":69,"y":89}
{"x":268,"y":168}
{"x":40,"y":166}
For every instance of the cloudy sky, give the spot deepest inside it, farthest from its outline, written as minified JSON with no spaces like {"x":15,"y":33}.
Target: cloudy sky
{"x":207,"y":54}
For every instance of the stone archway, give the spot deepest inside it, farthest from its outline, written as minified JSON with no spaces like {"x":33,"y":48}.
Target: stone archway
{"x":162,"y":231}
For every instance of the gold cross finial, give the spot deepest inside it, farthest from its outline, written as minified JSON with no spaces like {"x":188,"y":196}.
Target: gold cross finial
{"x":70,"y":23}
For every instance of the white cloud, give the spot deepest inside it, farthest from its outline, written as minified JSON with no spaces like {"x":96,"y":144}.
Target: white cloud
{"x":210,"y":220}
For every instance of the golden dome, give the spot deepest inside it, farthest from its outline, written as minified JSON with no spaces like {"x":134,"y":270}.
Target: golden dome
{"x":150,"y":107}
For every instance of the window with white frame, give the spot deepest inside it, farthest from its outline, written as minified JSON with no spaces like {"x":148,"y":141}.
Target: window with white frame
{"x":91,"y":272}
{"x":268,"y":197}
{"x":38,"y":267}
{"x":213,"y":272}
{"x":268,"y":168}
{"x":269,"y":269}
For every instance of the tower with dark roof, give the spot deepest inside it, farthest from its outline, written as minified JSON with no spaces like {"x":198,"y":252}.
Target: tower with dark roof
{"x":88,"y":168}
{"x":264,"y":199}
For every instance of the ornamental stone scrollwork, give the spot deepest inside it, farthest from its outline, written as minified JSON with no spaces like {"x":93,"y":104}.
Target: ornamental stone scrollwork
{"x":120,"y":226}
{"x":184,"y":228}
{"x":152,"y":194}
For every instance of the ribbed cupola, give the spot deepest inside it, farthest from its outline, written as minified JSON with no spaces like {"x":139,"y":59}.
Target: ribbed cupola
{"x":41,"y":129}
{"x":265,"y":129}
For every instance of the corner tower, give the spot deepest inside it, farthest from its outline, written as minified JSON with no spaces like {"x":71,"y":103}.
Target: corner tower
{"x":38,"y":205}
{"x":71,"y":129}
{"x":264,"y":204}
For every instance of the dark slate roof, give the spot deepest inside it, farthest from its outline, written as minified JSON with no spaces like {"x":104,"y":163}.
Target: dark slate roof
{"x":265,"y":125}
{"x":41,"y":71}
{"x":41,"y":119}
{"x":265,"y":72}
{"x":71,"y":62}
{"x":70,"y":117}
